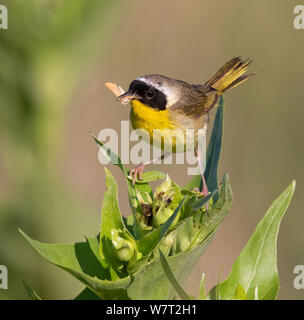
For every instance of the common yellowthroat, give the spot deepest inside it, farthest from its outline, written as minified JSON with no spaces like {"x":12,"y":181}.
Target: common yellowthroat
{"x":173,"y":106}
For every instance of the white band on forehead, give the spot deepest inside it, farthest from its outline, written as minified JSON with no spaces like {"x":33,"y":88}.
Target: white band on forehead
{"x":151,"y":83}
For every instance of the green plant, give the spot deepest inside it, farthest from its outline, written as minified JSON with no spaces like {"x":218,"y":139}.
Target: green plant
{"x":147,"y":254}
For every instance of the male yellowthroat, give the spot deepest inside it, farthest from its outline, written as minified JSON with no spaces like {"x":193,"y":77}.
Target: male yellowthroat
{"x":173,"y":106}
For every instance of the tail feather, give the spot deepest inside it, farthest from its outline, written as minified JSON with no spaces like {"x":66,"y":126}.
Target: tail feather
{"x":230,"y":75}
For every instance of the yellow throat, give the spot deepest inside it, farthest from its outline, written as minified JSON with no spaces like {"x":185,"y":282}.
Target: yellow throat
{"x":144,"y":117}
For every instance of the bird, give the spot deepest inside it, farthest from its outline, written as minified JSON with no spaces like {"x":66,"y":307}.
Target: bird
{"x":166,"y":108}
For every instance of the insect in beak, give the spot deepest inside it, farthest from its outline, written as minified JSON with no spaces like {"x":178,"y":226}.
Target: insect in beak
{"x":127,"y":97}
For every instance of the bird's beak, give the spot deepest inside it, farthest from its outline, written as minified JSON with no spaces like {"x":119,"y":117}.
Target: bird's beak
{"x":127,"y":97}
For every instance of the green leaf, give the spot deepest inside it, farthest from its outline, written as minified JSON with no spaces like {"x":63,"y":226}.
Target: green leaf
{"x":32,"y":294}
{"x":240,"y":293}
{"x":94,"y":247}
{"x":138,"y":232}
{"x":110,"y":155}
{"x":202,"y":290}
{"x":150,"y":176}
{"x":202,"y":201}
{"x":151,"y":282}
{"x":213,"y":154}
{"x":112,"y":224}
{"x":202,"y":225}
{"x":129,"y":223}
{"x":214,"y":149}
{"x":179,"y":290}
{"x":111,"y":217}
{"x":87,"y":294}
{"x":79,"y":260}
{"x":256,"y":266}
{"x":194,"y":202}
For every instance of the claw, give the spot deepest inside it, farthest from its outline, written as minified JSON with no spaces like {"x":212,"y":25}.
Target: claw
{"x":205,"y":192}
{"x":137,"y":173}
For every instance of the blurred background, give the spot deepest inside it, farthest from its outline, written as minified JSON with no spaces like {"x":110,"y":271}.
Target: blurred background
{"x":56,"y":56}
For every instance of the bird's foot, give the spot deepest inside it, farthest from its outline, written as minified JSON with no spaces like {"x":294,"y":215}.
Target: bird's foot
{"x":137,"y":172}
{"x":204,"y":192}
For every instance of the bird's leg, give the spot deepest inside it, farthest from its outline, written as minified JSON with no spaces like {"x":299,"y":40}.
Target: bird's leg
{"x":138,"y":171}
{"x":205,"y":190}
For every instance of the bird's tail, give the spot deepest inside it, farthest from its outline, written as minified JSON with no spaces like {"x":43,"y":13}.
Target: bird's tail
{"x":230,"y":75}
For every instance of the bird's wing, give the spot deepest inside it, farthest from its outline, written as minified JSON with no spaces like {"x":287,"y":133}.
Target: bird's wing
{"x":196,"y":100}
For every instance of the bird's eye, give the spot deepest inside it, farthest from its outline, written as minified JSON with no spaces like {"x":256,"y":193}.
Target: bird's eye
{"x":150,"y":93}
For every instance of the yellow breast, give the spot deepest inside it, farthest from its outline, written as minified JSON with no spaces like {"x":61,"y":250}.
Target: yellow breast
{"x":168,"y":137}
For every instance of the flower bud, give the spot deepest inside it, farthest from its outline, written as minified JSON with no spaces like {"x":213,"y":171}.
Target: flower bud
{"x":124,"y":246}
{"x":162,"y":215}
{"x":164,"y":187}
